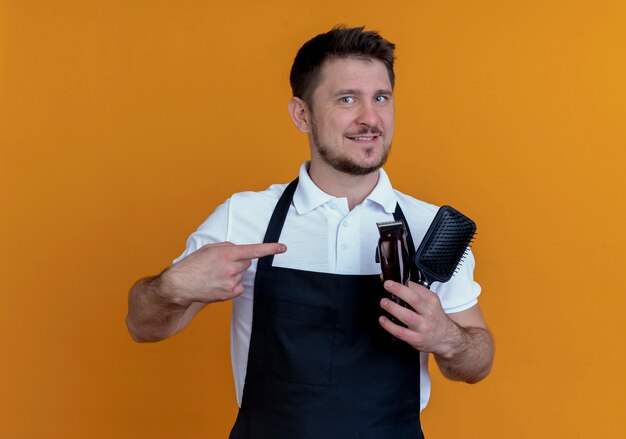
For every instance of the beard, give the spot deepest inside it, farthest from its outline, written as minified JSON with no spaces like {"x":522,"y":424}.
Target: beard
{"x":346,"y":164}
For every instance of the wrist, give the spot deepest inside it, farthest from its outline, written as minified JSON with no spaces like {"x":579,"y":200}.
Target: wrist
{"x":167,"y":290}
{"x":453,"y":342}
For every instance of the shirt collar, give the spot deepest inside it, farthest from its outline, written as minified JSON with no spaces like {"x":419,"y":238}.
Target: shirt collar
{"x":308,"y":196}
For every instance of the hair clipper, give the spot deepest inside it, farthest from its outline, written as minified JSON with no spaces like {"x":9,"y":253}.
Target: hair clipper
{"x":393,"y":255}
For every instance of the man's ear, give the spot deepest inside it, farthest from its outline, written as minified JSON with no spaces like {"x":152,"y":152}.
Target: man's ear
{"x":300,"y":115}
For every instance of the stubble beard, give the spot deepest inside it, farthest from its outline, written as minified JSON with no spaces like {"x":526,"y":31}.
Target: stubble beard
{"x":345,"y":164}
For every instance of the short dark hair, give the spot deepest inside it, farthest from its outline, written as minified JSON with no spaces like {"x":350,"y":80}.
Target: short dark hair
{"x":339,"y":42}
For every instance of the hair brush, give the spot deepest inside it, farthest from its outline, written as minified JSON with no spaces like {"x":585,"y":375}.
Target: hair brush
{"x":444,"y":246}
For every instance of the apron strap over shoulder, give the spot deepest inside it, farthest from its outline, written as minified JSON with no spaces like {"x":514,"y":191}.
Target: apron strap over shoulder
{"x":399,"y":215}
{"x":277,"y":220}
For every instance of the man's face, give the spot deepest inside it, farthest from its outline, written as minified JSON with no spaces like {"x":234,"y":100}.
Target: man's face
{"x":352,"y":116}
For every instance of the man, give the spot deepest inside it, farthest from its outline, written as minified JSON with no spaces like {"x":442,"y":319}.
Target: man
{"x":314,"y":352}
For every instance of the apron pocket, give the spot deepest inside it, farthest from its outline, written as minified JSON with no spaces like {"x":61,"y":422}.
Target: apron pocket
{"x":299,"y":342}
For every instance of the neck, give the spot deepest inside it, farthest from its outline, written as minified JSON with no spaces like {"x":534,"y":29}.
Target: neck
{"x":341,"y":185}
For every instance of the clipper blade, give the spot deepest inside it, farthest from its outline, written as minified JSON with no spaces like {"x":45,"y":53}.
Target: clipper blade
{"x":386,"y":226}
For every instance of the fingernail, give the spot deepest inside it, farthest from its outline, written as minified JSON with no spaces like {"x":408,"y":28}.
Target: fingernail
{"x":388,"y":284}
{"x":283,"y":248}
{"x":384,"y":303}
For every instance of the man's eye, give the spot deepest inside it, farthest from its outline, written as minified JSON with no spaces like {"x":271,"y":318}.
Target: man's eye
{"x":381,"y":98}
{"x":346,"y":100}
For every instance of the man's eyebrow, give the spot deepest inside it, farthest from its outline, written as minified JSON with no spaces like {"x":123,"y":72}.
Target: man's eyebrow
{"x":348,"y":91}
{"x":356,"y":92}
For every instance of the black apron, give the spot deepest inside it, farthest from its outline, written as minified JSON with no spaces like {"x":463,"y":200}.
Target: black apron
{"x":320,"y":366}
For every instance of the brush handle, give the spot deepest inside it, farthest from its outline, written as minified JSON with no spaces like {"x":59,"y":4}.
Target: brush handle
{"x":422,"y":279}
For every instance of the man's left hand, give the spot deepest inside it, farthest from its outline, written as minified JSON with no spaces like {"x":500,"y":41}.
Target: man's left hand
{"x":428,"y":328}
{"x":461,"y":342}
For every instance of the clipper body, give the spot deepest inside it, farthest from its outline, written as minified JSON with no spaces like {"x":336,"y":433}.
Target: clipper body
{"x":393,"y":255}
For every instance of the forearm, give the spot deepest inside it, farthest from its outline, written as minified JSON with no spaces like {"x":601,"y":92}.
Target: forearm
{"x":468,"y":354}
{"x":152,"y":313}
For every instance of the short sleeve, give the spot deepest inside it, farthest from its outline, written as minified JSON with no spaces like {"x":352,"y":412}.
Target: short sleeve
{"x":214,"y":229}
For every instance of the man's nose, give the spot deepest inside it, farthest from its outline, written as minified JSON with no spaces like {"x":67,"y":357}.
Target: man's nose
{"x":367,"y":115}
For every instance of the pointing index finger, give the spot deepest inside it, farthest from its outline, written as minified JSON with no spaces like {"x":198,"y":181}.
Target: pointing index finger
{"x":254,"y":251}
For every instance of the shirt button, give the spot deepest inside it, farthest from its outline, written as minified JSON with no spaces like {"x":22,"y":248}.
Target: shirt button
{"x":333,"y":206}
{"x":345,"y":224}
{"x":344,"y":246}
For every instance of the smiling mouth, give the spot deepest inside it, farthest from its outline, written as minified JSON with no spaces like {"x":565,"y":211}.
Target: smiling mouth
{"x":363,"y":138}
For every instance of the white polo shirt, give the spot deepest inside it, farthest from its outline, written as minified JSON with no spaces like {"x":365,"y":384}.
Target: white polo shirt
{"x":322,"y":235}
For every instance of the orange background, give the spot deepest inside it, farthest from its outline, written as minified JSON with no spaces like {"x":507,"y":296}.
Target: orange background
{"x":123,"y":124}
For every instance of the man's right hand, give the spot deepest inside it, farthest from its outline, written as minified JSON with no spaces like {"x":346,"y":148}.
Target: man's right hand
{"x":213,"y":272}
{"x":163,"y":305}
